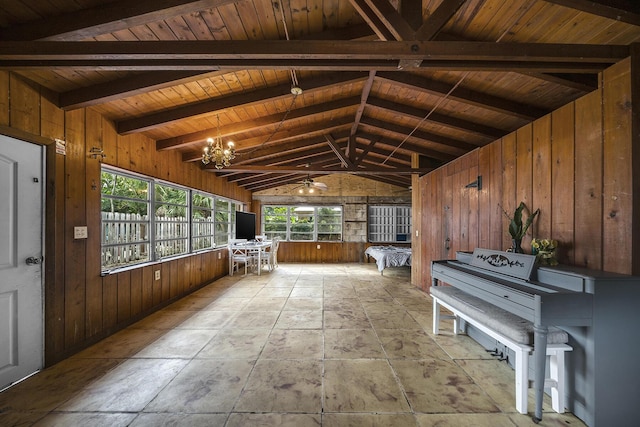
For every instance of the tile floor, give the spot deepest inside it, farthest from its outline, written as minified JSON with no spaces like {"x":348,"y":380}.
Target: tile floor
{"x":304,"y":345}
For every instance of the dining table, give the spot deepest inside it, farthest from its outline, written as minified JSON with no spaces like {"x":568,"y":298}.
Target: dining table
{"x":256,"y":249}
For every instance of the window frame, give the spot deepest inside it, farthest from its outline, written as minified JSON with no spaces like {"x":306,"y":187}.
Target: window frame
{"x":399,"y":223}
{"x":289,"y":225}
{"x":150,"y":223}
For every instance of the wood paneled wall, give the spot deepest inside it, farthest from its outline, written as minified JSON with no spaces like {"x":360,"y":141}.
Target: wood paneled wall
{"x":81,"y":306}
{"x":575,"y":164}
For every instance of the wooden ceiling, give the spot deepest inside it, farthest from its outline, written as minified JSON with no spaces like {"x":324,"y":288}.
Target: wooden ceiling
{"x":380,"y":79}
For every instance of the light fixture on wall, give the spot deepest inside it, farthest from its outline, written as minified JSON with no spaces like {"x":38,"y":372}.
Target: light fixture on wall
{"x":97,"y":153}
{"x":214,"y":153}
{"x":475,"y":184}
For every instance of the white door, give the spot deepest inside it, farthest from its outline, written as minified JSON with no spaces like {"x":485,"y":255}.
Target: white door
{"x":21,"y":308}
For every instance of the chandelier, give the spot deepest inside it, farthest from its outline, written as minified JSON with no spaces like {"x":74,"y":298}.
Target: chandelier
{"x":214,"y":153}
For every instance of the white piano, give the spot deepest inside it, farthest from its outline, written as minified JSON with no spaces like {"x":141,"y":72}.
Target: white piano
{"x":599,"y":310}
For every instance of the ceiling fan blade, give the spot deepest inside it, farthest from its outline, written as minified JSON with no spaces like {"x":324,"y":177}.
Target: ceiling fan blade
{"x":320,"y":185}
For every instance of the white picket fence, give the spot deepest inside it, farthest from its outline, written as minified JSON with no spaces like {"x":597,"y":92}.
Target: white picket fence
{"x":125,"y":238}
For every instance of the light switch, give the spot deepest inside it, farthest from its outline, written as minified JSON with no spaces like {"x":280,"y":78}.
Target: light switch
{"x":80,"y":232}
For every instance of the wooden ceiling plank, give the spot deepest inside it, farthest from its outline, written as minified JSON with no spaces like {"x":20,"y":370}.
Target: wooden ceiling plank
{"x":466,"y":96}
{"x":234,"y":100}
{"x":411,"y":147}
{"x":618,"y":13}
{"x":125,"y":87}
{"x":246,"y":126}
{"x":312,"y":169}
{"x":106,"y":18}
{"x":440,"y":119}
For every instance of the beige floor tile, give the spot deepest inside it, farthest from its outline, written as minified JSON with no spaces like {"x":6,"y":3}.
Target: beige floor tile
{"x":163,"y":319}
{"x":85,"y":419}
{"x":283,"y":386}
{"x":265,"y":304}
{"x":339,"y":304}
{"x":409,"y":344}
{"x":123,"y":344}
{"x":400,"y":319}
{"x":178,"y":343}
{"x":307,"y":292}
{"x":271,"y":420}
{"x":362,"y":386}
{"x":206,"y":319}
{"x":294,"y":344}
{"x":253,"y":320}
{"x":352,"y":344}
{"x":236,"y":344}
{"x":299,"y":319}
{"x":368,"y":420}
{"x":346,"y":319}
{"x":127,"y":388}
{"x":203,"y":386}
{"x":303,"y":304}
{"x":180,"y":420}
{"x":440,"y":386}
{"x":459,"y":420}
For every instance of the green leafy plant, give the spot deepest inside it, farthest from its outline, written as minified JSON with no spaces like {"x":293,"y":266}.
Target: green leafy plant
{"x":517,"y":229}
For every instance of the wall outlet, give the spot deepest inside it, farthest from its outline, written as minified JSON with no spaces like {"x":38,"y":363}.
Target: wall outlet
{"x":318,"y":247}
{"x":80,"y":232}
{"x":417,"y":233}
{"x":219,"y":255}
{"x":157,"y":274}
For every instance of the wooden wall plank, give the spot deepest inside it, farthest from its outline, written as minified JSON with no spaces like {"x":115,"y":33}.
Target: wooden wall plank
{"x":110,"y":301}
{"x":4,"y":98}
{"x":75,"y":215}
{"x":509,"y":185}
{"x":24,"y":105}
{"x":473,"y":203}
{"x":496,"y":217}
{"x":542,"y":182}
{"x":147,"y":288}
{"x":484,"y":199}
{"x":525,"y":174}
{"x":124,"y":296}
{"x":136,"y":292}
{"x":589,"y":171}
{"x":618,"y":173}
{"x":562,"y":181}
{"x":93,"y":138}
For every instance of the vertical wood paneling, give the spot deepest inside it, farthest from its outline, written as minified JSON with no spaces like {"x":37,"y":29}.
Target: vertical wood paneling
{"x":509,"y":202}
{"x":634,"y":256}
{"x":589,"y":164}
{"x":562,"y":181}
{"x":542,"y":182}
{"x":473,"y":203}
{"x":136,"y":291}
{"x":124,"y":296}
{"x":24,"y":107}
{"x":618,"y":191}
{"x":524,"y":174}
{"x":93,"y":280}
{"x":75,"y":215}
{"x":110,"y":301}
{"x":484,"y":199}
{"x":147,"y":288}
{"x":496,"y":217}
{"x":4,"y":98}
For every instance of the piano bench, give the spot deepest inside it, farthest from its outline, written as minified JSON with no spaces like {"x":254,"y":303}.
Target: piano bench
{"x":510,"y":330}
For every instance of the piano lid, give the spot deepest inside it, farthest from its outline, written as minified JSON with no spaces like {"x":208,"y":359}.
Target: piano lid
{"x":507,"y":263}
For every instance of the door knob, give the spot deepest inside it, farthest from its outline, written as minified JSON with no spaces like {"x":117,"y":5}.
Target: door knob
{"x":32,"y":260}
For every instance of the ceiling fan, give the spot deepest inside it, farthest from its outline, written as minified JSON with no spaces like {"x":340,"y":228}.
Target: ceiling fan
{"x":309,"y":185}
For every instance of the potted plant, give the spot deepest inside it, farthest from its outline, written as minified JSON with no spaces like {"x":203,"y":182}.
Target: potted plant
{"x":518,"y":229}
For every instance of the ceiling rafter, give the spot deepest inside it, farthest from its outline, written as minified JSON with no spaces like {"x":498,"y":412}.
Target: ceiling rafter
{"x":629,"y":12}
{"x":106,"y":18}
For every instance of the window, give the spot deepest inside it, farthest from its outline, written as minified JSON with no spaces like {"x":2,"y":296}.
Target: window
{"x":125,"y":220}
{"x":302,"y":223}
{"x":171,"y":220}
{"x":183,"y":220}
{"x":389,"y":224}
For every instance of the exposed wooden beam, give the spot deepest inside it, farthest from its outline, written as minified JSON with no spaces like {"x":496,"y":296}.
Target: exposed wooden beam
{"x":151,"y":121}
{"x":371,"y":19}
{"x":450,"y":145}
{"x":338,"y":152}
{"x":438,"y":19}
{"x":251,"y":125}
{"x":623,"y":11}
{"x":391,"y":19}
{"x":311,"y":55}
{"x":312,"y":169}
{"x":466,"y":96}
{"x":484,"y":131}
{"x":409,"y":147}
{"x":106,"y":18}
{"x":129,"y":86}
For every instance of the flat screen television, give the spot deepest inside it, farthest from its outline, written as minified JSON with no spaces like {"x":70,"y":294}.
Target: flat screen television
{"x":245,"y":225}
